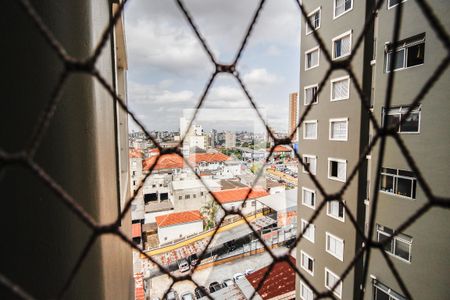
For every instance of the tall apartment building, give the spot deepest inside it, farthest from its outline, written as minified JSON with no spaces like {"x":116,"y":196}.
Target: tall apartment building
{"x":230,"y":139}
{"x":419,"y":253}
{"x":335,"y":133}
{"x":293,"y":114}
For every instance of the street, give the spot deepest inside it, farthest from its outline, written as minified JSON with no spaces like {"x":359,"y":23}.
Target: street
{"x":217,"y":273}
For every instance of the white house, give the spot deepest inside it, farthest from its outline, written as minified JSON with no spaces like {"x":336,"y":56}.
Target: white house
{"x":178,"y":225}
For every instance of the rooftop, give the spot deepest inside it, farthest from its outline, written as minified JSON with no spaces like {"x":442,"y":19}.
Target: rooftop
{"x":136,"y":230}
{"x":208,"y":157}
{"x":178,"y":218}
{"x":280,"y":281}
{"x":167,"y":161}
{"x":239,"y":194}
{"x":195,"y":184}
{"x":281,"y":148}
{"x":284,"y":201}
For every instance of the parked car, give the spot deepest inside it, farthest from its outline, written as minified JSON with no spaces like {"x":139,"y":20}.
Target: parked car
{"x":200,"y":292}
{"x":193,"y":259}
{"x":214,"y":286}
{"x":172,"y":295}
{"x":227,"y":282}
{"x":249,"y":271}
{"x":238,"y":276}
{"x":183,"y":265}
{"x":187,"y":296}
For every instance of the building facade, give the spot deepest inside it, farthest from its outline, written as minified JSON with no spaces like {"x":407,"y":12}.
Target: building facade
{"x":293,"y":114}
{"x":336,"y":131}
{"x":332,"y":138}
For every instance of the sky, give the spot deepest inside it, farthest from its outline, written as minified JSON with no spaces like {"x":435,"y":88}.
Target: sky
{"x":168,"y":69}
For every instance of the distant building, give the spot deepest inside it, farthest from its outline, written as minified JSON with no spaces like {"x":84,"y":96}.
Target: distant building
{"x":293,"y":114}
{"x":234,"y":198}
{"x":174,"y":226}
{"x":135,"y":158}
{"x":230,"y":139}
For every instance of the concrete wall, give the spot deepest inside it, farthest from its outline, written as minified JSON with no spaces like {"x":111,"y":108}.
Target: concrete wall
{"x":79,"y":151}
{"x":426,"y":276}
{"x":170,"y":233}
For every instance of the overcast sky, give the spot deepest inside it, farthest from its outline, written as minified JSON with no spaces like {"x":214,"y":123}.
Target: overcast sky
{"x":168,"y":69}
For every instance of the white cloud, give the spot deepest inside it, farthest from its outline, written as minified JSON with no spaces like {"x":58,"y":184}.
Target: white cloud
{"x":260,"y":77}
{"x":158,"y":94}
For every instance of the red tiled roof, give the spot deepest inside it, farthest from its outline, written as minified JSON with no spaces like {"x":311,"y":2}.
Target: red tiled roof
{"x":281,"y":148}
{"x":207,"y":157}
{"x":281,"y":280}
{"x":139,"y":293}
{"x":178,"y":218}
{"x":167,"y":161}
{"x":136,"y":230}
{"x":239,"y":194}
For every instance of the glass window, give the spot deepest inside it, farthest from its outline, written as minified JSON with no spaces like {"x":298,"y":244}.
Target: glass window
{"x":310,"y":232}
{"x":311,"y":95}
{"x":337,"y":169}
{"x":398,"y":182}
{"x":338,"y":130}
{"x":336,"y":209}
{"x":309,"y":197}
{"x":331,"y":280}
{"x":305,"y":292}
{"x":310,"y":130}
{"x":310,"y":162}
{"x":314,"y":18}
{"x":408,"y":53}
{"x":342,"y":6}
{"x":307,"y":263}
{"x":312,"y":59}
{"x":340,"y":89}
{"x":335,"y":246}
{"x":342,"y":46}
{"x":383,"y":292}
{"x":399,"y":246}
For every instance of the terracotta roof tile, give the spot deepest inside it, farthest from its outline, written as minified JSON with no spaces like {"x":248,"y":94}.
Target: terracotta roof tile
{"x":281,"y":148}
{"x":281,"y":280}
{"x":208,"y":157}
{"x":178,"y":218}
{"x":167,"y":161}
{"x":136,"y":230}
{"x":135,"y":154}
{"x":239,"y":194}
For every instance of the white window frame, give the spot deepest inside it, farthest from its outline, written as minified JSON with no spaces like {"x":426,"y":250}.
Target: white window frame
{"x":307,"y":256}
{"x":303,"y":197}
{"x":334,"y":10}
{"x":347,"y":33}
{"x":315,"y":165}
{"x":339,"y":160}
{"x":338,"y":290}
{"x":342,"y":219}
{"x":304,"y":129}
{"x":403,"y":47}
{"x":304,"y":286}
{"x":327,"y":234}
{"x":306,"y":58}
{"x":318,"y":9}
{"x":393,"y":295}
{"x":392,"y":6}
{"x":330,"y":131}
{"x":395,"y":178}
{"x":332,"y":81}
{"x":304,"y":94}
{"x":381,"y":230}
{"x":391,"y":111}
{"x":311,"y":229}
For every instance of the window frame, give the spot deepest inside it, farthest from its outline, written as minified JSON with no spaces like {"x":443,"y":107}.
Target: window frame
{"x":338,"y":290}
{"x":327,"y":234}
{"x":394,"y":241}
{"x":309,"y":257}
{"x":403,"y":45}
{"x":333,"y":216}
{"x":315,"y":166}
{"x":303,"y":197}
{"x":392,"y":6}
{"x":306,"y":58}
{"x":395,"y":178}
{"x":333,"y":40}
{"x":393,"y":295}
{"x":339,"y":160}
{"x":318,"y":9}
{"x":342,"y":78}
{"x":304,"y":94}
{"x":418,"y":110}
{"x":330,"y":131}
{"x":303,"y":224}
{"x":304,"y":129}
{"x":334,"y":10}
{"x":302,"y":284}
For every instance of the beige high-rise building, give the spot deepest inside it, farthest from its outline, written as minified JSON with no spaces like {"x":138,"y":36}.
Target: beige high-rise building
{"x":293,"y":114}
{"x":334,"y":136}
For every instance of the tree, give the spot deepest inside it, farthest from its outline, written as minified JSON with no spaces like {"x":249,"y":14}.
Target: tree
{"x":209,"y":210}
